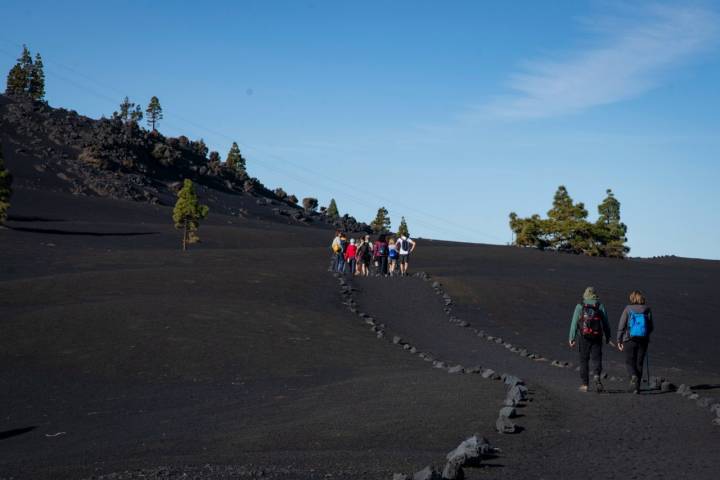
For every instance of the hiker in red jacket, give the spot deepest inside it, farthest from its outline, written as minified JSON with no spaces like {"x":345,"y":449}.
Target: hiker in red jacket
{"x":350,"y":255}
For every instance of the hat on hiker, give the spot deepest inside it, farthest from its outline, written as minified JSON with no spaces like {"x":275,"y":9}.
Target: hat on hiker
{"x":590,"y":293}
{"x":352,"y":240}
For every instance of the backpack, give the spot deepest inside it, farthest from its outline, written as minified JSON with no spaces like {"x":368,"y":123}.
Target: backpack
{"x":404,"y":245}
{"x":382,"y":250}
{"x":637,"y":324}
{"x":591,"y":322}
{"x":393,"y":253}
{"x":343,"y":245}
{"x":336,"y":247}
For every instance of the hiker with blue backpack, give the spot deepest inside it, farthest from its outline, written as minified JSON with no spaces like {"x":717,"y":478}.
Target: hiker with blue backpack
{"x":588,"y":328}
{"x":633,"y":336}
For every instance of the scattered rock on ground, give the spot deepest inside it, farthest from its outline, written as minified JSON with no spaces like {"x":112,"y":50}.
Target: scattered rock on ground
{"x":508,"y":412}
{"x":427,"y":473}
{"x":505,"y":425}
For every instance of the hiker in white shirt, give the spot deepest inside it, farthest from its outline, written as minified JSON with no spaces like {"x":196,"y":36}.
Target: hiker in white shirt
{"x":405,"y":246}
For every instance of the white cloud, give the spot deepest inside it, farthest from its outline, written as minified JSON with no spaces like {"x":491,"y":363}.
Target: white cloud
{"x":627,"y":62}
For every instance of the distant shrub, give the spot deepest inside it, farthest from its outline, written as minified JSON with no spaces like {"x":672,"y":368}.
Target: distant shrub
{"x":310,"y":204}
{"x":280,"y":193}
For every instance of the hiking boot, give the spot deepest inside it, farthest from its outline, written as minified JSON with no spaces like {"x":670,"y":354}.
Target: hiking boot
{"x":598,"y":384}
{"x":583,"y":388}
{"x":634,"y":385}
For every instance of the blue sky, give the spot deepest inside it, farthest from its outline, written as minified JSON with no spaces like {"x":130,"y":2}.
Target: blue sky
{"x":452,"y":114}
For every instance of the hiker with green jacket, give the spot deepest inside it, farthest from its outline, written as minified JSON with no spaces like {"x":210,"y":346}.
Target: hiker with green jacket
{"x":588,"y":327}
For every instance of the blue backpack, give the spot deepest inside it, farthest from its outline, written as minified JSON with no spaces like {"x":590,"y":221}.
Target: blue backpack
{"x":637,"y":324}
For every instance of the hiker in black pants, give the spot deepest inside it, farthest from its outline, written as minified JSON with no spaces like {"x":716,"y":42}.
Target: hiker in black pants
{"x":633,"y":336}
{"x":588,"y":327}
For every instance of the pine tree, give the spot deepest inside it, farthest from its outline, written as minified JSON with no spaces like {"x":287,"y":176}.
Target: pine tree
{"x":187,"y":213}
{"x":154,"y":113}
{"x":403,"y":228}
{"x":214,"y":158}
{"x":26,"y":64}
{"x":136,"y":115}
{"x":18,"y":80}
{"x":332,"y":209}
{"x":235,"y":160}
{"x":5,"y":189}
{"x":381,"y":224}
{"x":124,"y":112}
{"x":200,"y":148}
{"x":36,"y":80}
{"x":529,"y":232}
{"x":568,"y":227}
{"x":610,"y":232}
{"x":15,"y":81}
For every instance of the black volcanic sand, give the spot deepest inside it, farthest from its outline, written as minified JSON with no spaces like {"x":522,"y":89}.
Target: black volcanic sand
{"x":238,"y":352}
{"x":121,"y":353}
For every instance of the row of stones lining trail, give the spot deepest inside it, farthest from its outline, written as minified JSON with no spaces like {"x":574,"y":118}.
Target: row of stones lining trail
{"x":472,"y":450}
{"x":449,"y":362}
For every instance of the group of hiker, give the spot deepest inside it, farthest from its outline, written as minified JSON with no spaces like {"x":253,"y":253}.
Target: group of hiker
{"x":590,"y":328}
{"x":386,"y":256}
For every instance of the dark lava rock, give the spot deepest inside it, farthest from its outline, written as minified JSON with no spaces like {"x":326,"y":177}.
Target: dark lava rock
{"x":505,"y":425}
{"x":683,"y":390}
{"x":427,"y":473}
{"x":487,"y":373}
{"x":517,"y":393}
{"x":453,"y":471}
{"x":655,"y":382}
{"x":470,"y":451}
{"x":667,"y":386}
{"x":512,"y":380}
{"x":704,"y":402}
{"x":508,"y":412}
{"x":400,"y":476}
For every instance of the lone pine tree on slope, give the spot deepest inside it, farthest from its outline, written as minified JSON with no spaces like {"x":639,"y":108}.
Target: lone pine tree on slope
{"x":235,"y":160}
{"x":187,"y":213}
{"x":154,"y":113}
{"x":403,"y":228}
{"x":332,"y":209}
{"x":381,"y":224}
{"x":5,"y":189}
